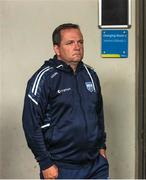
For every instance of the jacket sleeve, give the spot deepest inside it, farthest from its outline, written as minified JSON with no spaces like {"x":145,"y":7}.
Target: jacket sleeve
{"x":100,"y":114}
{"x":33,"y":113}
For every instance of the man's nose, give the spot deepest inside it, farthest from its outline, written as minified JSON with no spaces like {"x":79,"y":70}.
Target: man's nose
{"x":77,"y":45}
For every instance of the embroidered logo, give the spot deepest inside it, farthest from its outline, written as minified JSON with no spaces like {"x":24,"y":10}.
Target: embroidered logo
{"x":63,"y":90}
{"x":89,"y":86}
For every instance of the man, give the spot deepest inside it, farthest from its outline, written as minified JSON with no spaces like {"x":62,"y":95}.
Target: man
{"x":63,"y":112}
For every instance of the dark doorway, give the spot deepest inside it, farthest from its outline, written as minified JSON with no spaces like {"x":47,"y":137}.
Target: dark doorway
{"x":141,"y":86}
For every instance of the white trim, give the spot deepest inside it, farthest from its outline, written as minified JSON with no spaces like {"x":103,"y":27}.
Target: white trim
{"x":59,"y":66}
{"x":46,"y":125}
{"x":38,"y":77}
{"x":33,"y":99}
{"x":36,"y":88}
{"x":100,"y":12}
{"x":114,"y":26}
{"x":90,"y":77}
{"x":130,"y":18}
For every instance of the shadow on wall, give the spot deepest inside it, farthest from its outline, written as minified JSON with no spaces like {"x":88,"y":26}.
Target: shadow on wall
{"x":16,"y":157}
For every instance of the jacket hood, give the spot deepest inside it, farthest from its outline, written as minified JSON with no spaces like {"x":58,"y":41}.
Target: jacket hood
{"x":60,"y":64}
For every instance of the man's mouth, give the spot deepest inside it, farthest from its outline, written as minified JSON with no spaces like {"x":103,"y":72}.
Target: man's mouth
{"x":77,"y":54}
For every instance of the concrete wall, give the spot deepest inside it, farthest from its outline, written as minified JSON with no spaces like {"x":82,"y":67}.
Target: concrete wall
{"x":26,"y":28}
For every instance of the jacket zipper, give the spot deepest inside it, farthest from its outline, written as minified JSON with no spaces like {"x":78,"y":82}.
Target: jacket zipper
{"x":82,"y":109}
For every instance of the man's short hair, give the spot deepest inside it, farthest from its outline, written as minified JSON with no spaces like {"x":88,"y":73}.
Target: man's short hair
{"x":56,"y":36}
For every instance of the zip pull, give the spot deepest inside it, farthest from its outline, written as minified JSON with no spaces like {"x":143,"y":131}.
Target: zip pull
{"x":44,"y":126}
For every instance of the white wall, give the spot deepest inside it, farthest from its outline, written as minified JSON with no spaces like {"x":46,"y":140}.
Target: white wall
{"x":26,"y":29}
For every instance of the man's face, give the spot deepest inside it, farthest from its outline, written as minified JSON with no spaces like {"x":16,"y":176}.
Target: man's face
{"x":71,"y":47}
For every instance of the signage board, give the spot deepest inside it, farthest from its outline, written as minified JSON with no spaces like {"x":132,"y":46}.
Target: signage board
{"x":114,"y":44}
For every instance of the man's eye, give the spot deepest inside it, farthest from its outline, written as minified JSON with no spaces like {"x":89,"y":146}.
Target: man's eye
{"x":69,"y":42}
{"x":81,"y":42}
{"x":72,"y":42}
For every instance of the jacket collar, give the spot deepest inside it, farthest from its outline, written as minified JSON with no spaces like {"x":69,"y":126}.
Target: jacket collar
{"x":60,"y":64}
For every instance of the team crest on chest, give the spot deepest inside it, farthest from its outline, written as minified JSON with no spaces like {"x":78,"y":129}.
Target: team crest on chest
{"x":89,"y":86}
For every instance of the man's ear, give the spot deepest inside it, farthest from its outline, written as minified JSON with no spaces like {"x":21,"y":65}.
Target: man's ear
{"x":56,"y":50}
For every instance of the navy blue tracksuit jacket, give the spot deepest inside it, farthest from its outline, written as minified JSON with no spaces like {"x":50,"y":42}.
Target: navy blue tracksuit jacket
{"x":63,"y":114}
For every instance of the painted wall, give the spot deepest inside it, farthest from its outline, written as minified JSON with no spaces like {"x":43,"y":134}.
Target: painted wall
{"x":25,"y":42}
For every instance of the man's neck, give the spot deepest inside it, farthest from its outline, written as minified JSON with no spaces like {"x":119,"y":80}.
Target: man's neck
{"x":72,"y":64}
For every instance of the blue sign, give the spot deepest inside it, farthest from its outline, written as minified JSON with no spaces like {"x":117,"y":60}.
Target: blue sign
{"x":114,"y":43}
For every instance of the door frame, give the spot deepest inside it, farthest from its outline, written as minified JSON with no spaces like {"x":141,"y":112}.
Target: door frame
{"x":141,"y":88}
